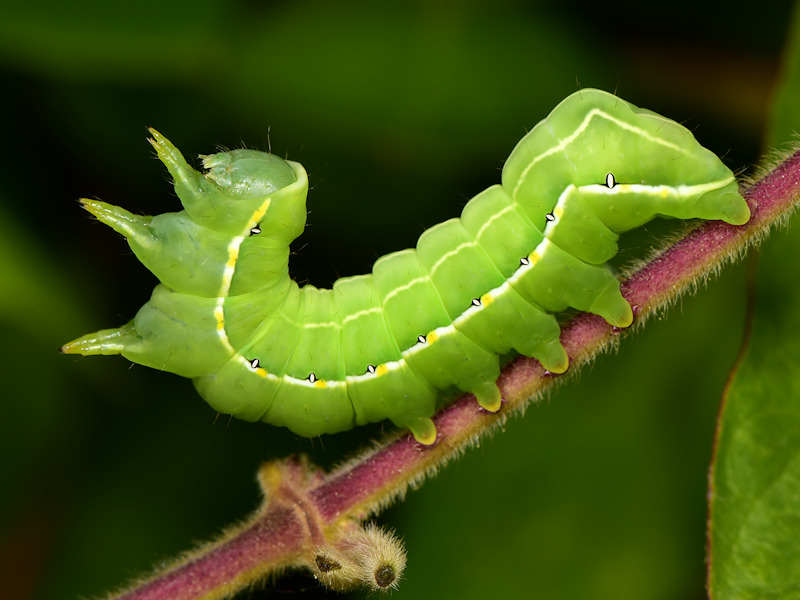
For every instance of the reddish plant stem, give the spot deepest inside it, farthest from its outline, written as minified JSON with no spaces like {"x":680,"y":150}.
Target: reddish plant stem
{"x":278,"y":534}
{"x":226,"y":567}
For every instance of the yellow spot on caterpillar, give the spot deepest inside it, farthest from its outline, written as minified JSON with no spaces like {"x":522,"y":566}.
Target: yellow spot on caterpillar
{"x":381,"y":370}
{"x":534,"y":257}
{"x":558,"y":211}
{"x":664,"y":193}
{"x":432,"y":337}
{"x":233,"y":256}
{"x":320,"y":383}
{"x":261,"y":372}
{"x":260,"y":212}
{"x":487,"y":298}
{"x":219,"y":315}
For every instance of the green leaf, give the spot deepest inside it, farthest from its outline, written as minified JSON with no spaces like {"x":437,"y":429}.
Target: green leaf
{"x":785,"y":122}
{"x":754,"y":525}
{"x":755,"y":500}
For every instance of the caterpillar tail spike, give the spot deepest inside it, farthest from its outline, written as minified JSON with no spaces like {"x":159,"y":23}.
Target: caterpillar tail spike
{"x":136,"y":229}
{"x":105,"y":342}
{"x":172,"y":158}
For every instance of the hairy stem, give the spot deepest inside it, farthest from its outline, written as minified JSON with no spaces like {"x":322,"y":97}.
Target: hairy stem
{"x":303,"y":506}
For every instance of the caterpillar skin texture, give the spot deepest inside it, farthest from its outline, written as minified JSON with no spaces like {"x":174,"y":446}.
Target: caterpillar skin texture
{"x":383,"y":345}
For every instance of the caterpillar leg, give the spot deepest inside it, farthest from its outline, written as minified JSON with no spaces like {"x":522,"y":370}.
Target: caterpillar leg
{"x":488,"y":396}
{"x":552,"y":356}
{"x":423,"y":430}
{"x":443,"y":356}
{"x":612,"y":306}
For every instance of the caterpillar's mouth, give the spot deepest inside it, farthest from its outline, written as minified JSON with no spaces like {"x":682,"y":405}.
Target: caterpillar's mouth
{"x":248,"y":173}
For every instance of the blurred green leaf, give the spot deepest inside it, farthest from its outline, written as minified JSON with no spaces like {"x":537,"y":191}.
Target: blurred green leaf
{"x":784,"y":124}
{"x":755,"y":503}
{"x":754,"y":524}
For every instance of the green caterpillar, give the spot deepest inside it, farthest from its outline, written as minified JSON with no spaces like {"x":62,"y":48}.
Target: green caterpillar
{"x":383,"y":345}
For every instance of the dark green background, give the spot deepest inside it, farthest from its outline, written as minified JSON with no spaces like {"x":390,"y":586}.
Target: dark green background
{"x":400,"y":113}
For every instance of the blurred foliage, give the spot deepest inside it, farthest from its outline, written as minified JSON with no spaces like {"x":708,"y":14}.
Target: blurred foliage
{"x":400,"y":112}
{"x":782,"y":129}
{"x":755,"y":512}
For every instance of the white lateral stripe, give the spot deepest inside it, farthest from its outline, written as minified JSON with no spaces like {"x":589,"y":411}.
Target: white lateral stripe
{"x":680,"y":191}
{"x":219,"y":316}
{"x":393,"y":365}
{"x":230,"y":269}
{"x":230,"y":266}
{"x":559,"y":207}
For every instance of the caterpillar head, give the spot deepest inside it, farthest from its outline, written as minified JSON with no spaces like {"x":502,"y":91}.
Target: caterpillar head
{"x":243,"y":194}
{"x":245,"y":174}
{"x":231,"y":238}
{"x":238,"y":188}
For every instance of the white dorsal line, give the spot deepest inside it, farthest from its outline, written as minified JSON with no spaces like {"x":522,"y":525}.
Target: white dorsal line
{"x":425,"y":278}
{"x":404,"y":287}
{"x":492,"y":219}
{"x":361,"y":313}
{"x":336,"y":324}
{"x":435,"y":266}
{"x":595,"y":112}
{"x":317,"y":324}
